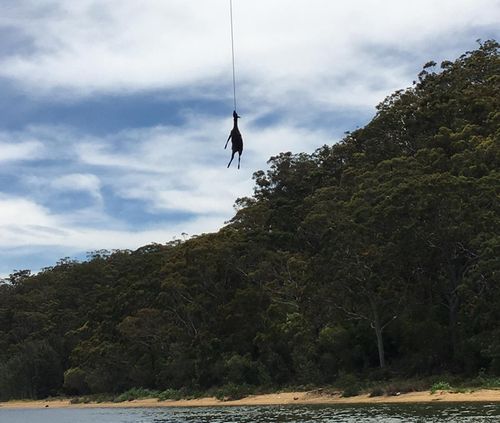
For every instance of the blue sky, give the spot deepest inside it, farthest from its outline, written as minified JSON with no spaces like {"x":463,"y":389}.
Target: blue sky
{"x":114,"y":113}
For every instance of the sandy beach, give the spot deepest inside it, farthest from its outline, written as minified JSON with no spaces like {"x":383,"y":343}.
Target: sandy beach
{"x":303,"y":398}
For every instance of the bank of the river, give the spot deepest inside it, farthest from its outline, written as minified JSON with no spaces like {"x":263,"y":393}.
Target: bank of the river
{"x":303,"y":398}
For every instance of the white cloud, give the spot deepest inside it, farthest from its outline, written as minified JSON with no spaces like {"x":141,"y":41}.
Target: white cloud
{"x":16,"y":210}
{"x":20,"y":151}
{"x":211,"y":192}
{"x":168,"y":169}
{"x":23,"y":223}
{"x":79,"y":182}
{"x":299,"y":60}
{"x":183,"y":168}
{"x":282,"y":47}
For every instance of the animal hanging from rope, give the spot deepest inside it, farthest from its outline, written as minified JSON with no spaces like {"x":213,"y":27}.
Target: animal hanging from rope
{"x":236,"y":140}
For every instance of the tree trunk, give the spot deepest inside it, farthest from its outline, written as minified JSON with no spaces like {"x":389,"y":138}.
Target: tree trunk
{"x":377,"y":327}
{"x":380,"y":345}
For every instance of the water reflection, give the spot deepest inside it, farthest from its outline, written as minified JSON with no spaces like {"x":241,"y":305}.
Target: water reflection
{"x":418,"y":413}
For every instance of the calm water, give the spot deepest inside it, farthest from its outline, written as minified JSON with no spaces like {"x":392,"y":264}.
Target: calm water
{"x":421,"y":413}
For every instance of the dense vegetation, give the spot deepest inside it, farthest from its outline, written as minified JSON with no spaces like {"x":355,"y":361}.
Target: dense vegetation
{"x":375,"y":257}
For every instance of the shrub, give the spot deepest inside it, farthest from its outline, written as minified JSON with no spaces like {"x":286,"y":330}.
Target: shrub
{"x":136,"y":393}
{"x":440,"y":386}
{"x":351,"y":391}
{"x":485,"y":381}
{"x":169,"y":394}
{"x":231,"y":392}
{"x":405,"y":386}
{"x":241,"y":370}
{"x":74,"y":381}
{"x":493,"y":382}
{"x":376,"y":392}
{"x":349,"y":384}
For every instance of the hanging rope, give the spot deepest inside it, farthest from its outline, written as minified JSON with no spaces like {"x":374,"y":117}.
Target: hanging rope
{"x":232,"y":50}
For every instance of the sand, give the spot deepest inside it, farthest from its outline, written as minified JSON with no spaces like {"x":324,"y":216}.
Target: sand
{"x":313,"y":397}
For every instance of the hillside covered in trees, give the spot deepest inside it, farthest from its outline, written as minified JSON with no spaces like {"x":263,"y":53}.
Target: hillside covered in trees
{"x":374,"y":257}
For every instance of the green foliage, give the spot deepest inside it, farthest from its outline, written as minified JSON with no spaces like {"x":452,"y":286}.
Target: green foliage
{"x":492,"y":383}
{"x":440,"y":386}
{"x":244,"y":371}
{"x":399,"y":387}
{"x":136,"y":393}
{"x":232,"y":392}
{"x":170,"y":394}
{"x":74,"y":381}
{"x":485,"y":382}
{"x":349,"y":384}
{"x":376,"y":392}
{"x":93,"y":398}
{"x":33,"y":371}
{"x":376,"y":256}
{"x":351,"y":391}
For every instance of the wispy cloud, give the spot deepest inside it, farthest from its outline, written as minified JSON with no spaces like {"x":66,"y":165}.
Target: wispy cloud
{"x":171,"y":171}
{"x":15,"y":211}
{"x":79,"y":182}
{"x":28,"y":229}
{"x":19,"y":151}
{"x":25,"y":223}
{"x":282,"y":47}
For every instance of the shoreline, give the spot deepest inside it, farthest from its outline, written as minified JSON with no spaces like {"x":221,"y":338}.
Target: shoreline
{"x":284,"y":398}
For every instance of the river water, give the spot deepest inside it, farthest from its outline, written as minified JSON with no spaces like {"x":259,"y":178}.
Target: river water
{"x":415,"y":413}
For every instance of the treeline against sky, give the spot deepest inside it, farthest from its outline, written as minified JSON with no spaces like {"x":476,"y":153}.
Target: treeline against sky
{"x":377,"y":256}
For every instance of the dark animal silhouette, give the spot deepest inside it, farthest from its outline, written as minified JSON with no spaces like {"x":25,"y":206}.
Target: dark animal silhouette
{"x":236,"y":140}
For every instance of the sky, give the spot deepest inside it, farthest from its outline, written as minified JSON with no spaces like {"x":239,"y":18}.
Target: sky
{"x":114,"y":113}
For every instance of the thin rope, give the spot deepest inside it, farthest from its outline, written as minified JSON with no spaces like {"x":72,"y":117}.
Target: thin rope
{"x":232,"y":50}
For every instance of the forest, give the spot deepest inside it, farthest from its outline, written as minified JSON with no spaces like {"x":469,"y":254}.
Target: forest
{"x":376,"y":257}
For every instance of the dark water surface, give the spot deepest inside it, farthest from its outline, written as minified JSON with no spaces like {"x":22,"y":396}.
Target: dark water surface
{"x":421,"y":413}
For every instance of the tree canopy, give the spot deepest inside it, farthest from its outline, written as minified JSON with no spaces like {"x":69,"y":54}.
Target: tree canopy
{"x":379,"y":251}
